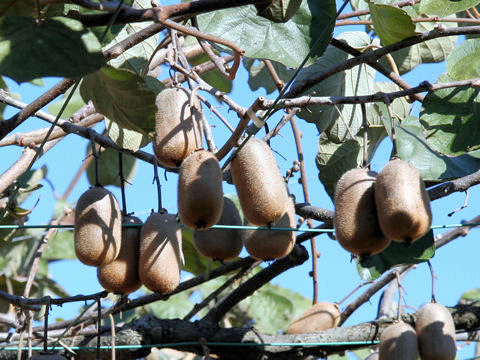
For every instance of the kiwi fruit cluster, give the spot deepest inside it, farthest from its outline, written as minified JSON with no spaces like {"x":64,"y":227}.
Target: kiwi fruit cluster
{"x":371,"y":209}
{"x":321,"y":316}
{"x":129,"y":257}
{"x":432,"y":339}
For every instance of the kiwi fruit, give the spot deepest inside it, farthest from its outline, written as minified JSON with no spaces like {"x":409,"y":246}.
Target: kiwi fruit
{"x":403,"y":204}
{"x":321,"y":316}
{"x":160,"y":253}
{"x":121,"y":275}
{"x":175,"y":127}
{"x":398,"y":342}
{"x":436,"y":332}
{"x":221,"y":244}
{"x":98,"y":227}
{"x":261,"y":188}
{"x":355,"y":220}
{"x":272,"y":244}
{"x":200,"y":195}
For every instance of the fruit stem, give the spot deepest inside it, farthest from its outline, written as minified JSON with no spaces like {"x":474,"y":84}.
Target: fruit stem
{"x":156,"y":179}
{"x":95,"y":156}
{"x":122,"y":183}
{"x":432,"y":274}
{"x":365,"y":134}
{"x":392,"y":124}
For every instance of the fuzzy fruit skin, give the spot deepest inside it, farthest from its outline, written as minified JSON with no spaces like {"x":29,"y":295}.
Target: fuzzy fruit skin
{"x":221,"y":244}
{"x":398,"y":342}
{"x":355,"y":221}
{"x":403,"y":204}
{"x":260,"y":187}
{"x":159,"y":262}
{"x":436,"y":332}
{"x":175,"y":127}
{"x":98,"y":227}
{"x":121,"y":275}
{"x":319,"y":317}
{"x":200,"y":194}
{"x":272,"y":244}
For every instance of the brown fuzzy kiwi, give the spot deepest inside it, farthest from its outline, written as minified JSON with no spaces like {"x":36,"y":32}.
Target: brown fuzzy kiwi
{"x":319,"y":317}
{"x":221,"y":244}
{"x":175,"y":127}
{"x":260,"y":186}
{"x":436,"y":332}
{"x":355,"y":221}
{"x":160,"y":251}
{"x":398,"y":342}
{"x":98,"y":227}
{"x":200,"y":194}
{"x":273,"y":244}
{"x":121,"y":275}
{"x":403,"y":204}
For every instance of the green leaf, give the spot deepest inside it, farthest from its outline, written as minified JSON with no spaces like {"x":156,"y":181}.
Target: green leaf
{"x":288,"y":43}
{"x":30,"y":181}
{"x":127,"y":139}
{"x":356,"y":81}
{"x":135,"y":58}
{"x":471,"y":295}
{"x":464,"y":62}
{"x":108,"y":167}
{"x":123,"y":97}
{"x":75,"y":104}
{"x":374,"y":266}
{"x":260,"y":77}
{"x":449,"y":118}
{"x":60,"y":246}
{"x":54,"y":47}
{"x":413,"y":147}
{"x":177,"y":306}
{"x":28,"y":8}
{"x":444,"y":8}
{"x":391,"y":23}
{"x":214,"y":77}
{"x":15,"y":255}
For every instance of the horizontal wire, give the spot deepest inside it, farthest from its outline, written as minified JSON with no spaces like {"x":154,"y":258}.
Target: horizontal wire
{"x":240,"y":227}
{"x":190,"y":343}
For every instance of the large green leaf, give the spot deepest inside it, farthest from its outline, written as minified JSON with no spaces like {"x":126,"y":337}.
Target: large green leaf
{"x":54,"y":47}
{"x":260,"y":77}
{"x":28,"y":8}
{"x":124,"y":97}
{"x":177,"y":306}
{"x":108,"y":168}
{"x":356,"y":81}
{"x":444,"y":8}
{"x":391,"y":23}
{"x":449,"y":118}
{"x":288,"y":43}
{"x":471,"y":295}
{"x":372,"y":267}
{"x":432,"y":51}
{"x":60,"y":246}
{"x":412,"y":146}
{"x":125,"y":138}
{"x":464,"y":62}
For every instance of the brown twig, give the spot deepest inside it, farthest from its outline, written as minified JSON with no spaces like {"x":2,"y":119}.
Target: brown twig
{"x":414,"y":20}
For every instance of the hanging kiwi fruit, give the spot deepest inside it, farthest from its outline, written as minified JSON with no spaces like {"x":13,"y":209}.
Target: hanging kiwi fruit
{"x":98,"y":227}
{"x":160,"y":253}
{"x":200,"y":194}
{"x":260,"y":186}
{"x":321,"y":316}
{"x":436,"y":332}
{"x":398,"y":342}
{"x":273,"y":244}
{"x":121,"y":275}
{"x":175,"y":127}
{"x":355,"y":220}
{"x":402,"y":202}
{"x":221,"y":244}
